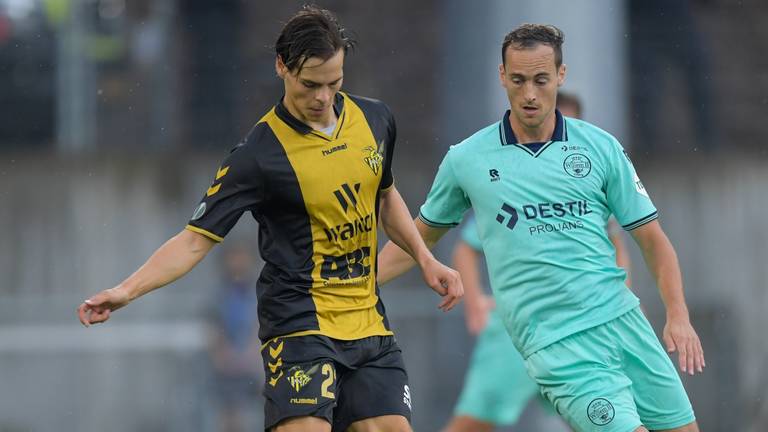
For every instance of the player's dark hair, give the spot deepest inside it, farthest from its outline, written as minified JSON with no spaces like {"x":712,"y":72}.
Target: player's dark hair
{"x":312,"y":32}
{"x":569,"y":99}
{"x":529,"y":35}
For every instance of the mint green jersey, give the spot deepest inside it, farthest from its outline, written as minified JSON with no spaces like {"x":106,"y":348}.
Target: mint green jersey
{"x":541,"y":212}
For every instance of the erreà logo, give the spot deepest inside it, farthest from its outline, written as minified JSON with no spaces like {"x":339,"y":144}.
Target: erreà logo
{"x":509,"y":210}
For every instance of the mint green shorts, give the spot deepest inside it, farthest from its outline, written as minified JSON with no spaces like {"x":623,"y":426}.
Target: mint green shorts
{"x":497,"y":387}
{"x":613,"y":377}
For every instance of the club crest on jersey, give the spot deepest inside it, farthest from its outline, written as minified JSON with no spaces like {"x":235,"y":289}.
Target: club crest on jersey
{"x":373,"y":158}
{"x":577,"y":165}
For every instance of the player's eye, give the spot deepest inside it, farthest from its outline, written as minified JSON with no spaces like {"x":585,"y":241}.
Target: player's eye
{"x":310,"y":85}
{"x":542,"y":81}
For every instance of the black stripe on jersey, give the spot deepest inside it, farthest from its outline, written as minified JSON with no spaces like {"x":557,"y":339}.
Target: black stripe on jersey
{"x":285,"y":244}
{"x":382,"y":124}
{"x":341,"y":199}
{"x":380,"y":304}
{"x":436,"y":224}
{"x":640,"y":222}
{"x":342,"y":119}
{"x":349,"y":193}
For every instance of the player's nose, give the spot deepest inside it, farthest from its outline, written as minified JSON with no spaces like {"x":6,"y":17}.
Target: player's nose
{"x":324,"y":95}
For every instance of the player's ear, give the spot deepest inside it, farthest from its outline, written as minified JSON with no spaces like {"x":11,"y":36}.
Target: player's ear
{"x":280,"y":67}
{"x":561,"y":75}
{"x":501,"y":74}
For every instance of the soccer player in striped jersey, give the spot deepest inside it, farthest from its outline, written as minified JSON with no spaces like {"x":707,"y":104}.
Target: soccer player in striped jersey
{"x":542,"y":187}
{"x":315,"y":172}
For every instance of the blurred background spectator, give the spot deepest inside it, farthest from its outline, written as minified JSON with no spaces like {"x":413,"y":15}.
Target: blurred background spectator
{"x":235,"y":347}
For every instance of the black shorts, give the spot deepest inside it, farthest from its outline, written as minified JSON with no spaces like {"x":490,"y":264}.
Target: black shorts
{"x":340,"y":381}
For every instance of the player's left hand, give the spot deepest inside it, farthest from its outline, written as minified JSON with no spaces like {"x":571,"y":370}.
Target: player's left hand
{"x":444,"y":281}
{"x":680,"y":336}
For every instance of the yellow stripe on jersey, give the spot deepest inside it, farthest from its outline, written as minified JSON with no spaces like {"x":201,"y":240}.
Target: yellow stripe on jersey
{"x":208,"y":234}
{"x":339,"y":187}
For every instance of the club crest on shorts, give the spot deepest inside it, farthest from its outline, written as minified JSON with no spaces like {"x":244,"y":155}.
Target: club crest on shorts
{"x":600,"y":412}
{"x":373,"y":157}
{"x":298,"y":378}
{"x":577,"y":165}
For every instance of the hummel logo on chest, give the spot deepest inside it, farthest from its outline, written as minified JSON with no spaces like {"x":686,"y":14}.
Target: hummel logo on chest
{"x":494,"y":173}
{"x":334,"y":149}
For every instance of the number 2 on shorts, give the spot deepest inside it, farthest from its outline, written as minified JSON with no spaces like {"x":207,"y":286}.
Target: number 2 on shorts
{"x":331,"y":374}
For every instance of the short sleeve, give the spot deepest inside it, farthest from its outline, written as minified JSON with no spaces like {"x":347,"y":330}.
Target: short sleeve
{"x":236,"y":188}
{"x":387,"y":179}
{"x":627,"y":197}
{"x":470,"y":235}
{"x":446,"y":201}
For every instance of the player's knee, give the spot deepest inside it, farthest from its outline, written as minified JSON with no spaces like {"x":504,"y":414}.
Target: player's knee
{"x":641,"y":429}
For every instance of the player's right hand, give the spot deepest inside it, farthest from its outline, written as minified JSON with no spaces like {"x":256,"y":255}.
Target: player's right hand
{"x":97,"y":309}
{"x":445,"y":281}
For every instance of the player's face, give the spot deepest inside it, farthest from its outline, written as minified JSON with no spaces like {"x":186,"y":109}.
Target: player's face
{"x":309,"y":94}
{"x":531,"y":80}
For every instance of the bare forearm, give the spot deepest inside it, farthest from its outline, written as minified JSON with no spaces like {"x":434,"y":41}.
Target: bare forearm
{"x":662,"y":262}
{"x":171,"y":261}
{"x":397,"y":256}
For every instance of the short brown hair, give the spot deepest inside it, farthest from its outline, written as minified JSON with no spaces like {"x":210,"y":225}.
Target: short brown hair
{"x":312,"y":32}
{"x":530,"y":35}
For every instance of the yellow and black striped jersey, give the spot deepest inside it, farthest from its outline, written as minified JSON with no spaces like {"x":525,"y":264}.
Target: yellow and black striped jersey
{"x":315,"y":197}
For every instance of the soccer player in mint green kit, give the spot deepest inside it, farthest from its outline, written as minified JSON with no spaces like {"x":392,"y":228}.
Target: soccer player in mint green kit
{"x":497,"y":387}
{"x":542,"y":187}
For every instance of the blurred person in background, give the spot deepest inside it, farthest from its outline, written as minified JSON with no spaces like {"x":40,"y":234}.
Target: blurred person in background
{"x":542,"y":187}
{"x":315,"y":172}
{"x":235,"y":347}
{"x":497,"y":387}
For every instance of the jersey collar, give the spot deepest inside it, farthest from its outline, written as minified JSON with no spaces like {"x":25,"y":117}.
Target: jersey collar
{"x":283,"y":114}
{"x":507,"y":136}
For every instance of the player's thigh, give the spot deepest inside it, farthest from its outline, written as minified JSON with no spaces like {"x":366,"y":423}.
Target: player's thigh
{"x":302,"y":424}
{"x":661,"y":400}
{"x":300,"y":380}
{"x":464,"y":423}
{"x":581,"y":376}
{"x":377,"y":388}
{"x":387,"y":423}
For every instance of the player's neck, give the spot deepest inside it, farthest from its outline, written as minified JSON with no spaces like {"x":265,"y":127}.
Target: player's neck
{"x":326,"y":120}
{"x":541,"y":133}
